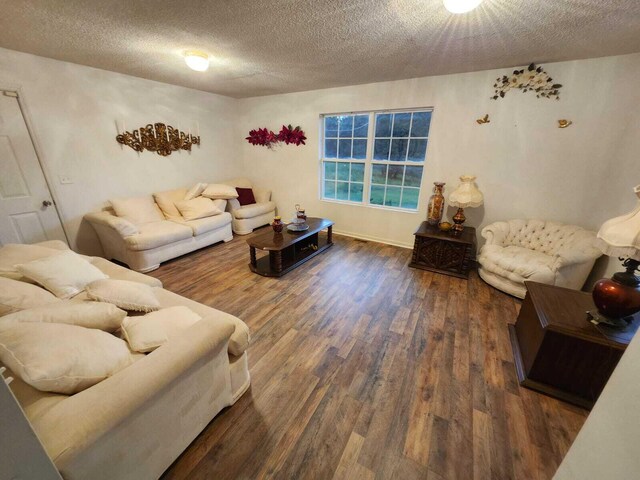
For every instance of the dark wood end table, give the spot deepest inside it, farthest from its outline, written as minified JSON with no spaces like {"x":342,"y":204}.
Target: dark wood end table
{"x":287,"y":250}
{"x":558,"y":351}
{"x":443,"y":252}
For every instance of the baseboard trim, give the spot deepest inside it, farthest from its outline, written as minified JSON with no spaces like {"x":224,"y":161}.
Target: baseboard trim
{"x":370,"y":238}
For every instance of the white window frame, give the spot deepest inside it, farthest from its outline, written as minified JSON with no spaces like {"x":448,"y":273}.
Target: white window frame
{"x":369,"y":161}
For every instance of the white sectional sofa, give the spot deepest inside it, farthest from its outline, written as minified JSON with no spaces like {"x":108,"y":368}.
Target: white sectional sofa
{"x":134,"y":424}
{"x":143,"y":246}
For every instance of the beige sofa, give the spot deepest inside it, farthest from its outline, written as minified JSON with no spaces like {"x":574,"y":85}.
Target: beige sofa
{"x":248,"y":217}
{"x":547,"y":252}
{"x":144,"y":246}
{"x":134,"y":424}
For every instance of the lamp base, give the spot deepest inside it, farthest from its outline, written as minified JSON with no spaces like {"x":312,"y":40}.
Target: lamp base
{"x":458,"y":220}
{"x":597,"y":318}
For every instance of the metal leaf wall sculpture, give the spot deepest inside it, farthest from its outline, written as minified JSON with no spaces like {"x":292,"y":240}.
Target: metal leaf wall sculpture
{"x":159,"y":138}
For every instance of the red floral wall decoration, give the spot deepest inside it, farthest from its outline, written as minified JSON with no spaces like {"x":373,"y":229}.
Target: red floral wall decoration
{"x":267,"y":138}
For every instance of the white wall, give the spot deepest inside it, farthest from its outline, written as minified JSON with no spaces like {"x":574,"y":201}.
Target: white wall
{"x":526,"y":166}
{"x":73,"y":110}
{"x":607,"y":445}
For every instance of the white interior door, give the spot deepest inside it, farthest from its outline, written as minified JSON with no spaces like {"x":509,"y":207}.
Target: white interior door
{"x":27,"y":211}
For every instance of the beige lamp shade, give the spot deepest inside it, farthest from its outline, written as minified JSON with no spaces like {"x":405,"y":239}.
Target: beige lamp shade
{"x":620,"y":236}
{"x":467,"y":194}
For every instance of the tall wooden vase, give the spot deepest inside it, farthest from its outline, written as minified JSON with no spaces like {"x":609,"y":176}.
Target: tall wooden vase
{"x":436,"y":204}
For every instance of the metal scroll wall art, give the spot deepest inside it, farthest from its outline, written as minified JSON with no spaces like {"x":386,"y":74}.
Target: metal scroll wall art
{"x":158,"y":137}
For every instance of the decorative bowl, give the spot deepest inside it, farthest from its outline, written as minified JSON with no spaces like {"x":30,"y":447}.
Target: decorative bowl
{"x":445,"y":226}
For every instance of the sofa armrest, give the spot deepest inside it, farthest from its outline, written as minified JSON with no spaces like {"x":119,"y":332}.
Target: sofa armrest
{"x":232,"y":204}
{"x":262,"y":195}
{"x":495,"y":233}
{"x":124,"y":227}
{"x":582,"y":252}
{"x":104,"y":415}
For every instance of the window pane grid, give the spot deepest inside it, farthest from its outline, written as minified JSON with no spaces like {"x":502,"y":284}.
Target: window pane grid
{"x":390,"y":146}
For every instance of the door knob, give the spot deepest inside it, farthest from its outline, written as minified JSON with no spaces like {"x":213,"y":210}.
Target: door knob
{"x":46,"y":203}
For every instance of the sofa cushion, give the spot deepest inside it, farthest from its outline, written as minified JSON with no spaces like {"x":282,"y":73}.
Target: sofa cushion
{"x":16,"y":296}
{"x":166,"y":201}
{"x":240,"y":338}
{"x":56,"y":357}
{"x":195,"y":191}
{"x":124,"y":294}
{"x":102,"y":316}
{"x":13,"y":254}
{"x":157,"y":234}
{"x":517,"y":263}
{"x":64,"y":274}
{"x":245,"y":196}
{"x":204,"y":225}
{"x":220,"y":190}
{"x":250,"y":211}
{"x":199,"y":207}
{"x":147,"y":332}
{"x":138,"y":210}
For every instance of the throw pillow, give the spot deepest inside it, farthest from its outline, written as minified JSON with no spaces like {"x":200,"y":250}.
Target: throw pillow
{"x":13,"y":254}
{"x":102,"y":316}
{"x":137,"y":210}
{"x":54,"y":357}
{"x":245,"y":196}
{"x":16,"y":296}
{"x":148,"y":332}
{"x":124,"y":294}
{"x":65,"y":274}
{"x":195,"y":191}
{"x":198,"y":207}
{"x":166,"y":201}
{"x":219,"y":190}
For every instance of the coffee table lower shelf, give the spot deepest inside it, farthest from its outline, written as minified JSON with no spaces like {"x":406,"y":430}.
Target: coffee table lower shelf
{"x":279,"y":262}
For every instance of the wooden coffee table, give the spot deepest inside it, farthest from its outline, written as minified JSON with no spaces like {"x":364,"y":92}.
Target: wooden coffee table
{"x":287,"y":250}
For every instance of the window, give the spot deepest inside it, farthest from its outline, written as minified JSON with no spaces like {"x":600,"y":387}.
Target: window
{"x":375,"y":158}
{"x":345,"y":153}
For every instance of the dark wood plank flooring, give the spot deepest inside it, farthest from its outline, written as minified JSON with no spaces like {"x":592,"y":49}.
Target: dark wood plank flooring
{"x":364,"y":368}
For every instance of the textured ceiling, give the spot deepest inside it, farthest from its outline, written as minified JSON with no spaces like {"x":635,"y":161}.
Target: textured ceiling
{"x":262,"y":47}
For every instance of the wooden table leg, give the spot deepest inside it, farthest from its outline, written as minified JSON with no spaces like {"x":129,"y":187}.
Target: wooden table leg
{"x":252,"y":254}
{"x":275,"y":258}
{"x":330,"y":234}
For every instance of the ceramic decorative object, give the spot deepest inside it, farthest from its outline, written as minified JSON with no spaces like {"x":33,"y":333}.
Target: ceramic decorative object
{"x":277,"y":224}
{"x":436,"y":204}
{"x":445,"y":226}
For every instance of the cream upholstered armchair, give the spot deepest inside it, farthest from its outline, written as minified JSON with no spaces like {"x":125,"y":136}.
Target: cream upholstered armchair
{"x":247,"y":217}
{"x":535,"y":250}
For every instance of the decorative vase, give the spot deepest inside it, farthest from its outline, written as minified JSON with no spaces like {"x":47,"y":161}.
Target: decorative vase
{"x":436,"y":204}
{"x":277,"y":225}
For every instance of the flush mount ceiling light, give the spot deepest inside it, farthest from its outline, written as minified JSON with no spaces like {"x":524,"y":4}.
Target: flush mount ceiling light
{"x":461,"y":6}
{"x":197,"y":61}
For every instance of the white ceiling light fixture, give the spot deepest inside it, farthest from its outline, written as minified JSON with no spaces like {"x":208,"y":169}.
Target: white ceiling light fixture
{"x":197,"y":61}
{"x":461,"y":6}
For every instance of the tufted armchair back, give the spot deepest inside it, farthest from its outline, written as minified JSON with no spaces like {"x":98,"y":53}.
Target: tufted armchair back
{"x":545,"y":237}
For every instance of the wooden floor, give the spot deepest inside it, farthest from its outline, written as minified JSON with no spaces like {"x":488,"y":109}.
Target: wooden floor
{"x":364,"y":368}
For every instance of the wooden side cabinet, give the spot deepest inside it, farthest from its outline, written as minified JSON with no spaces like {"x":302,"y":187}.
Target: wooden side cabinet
{"x":443,"y":252}
{"x":557,"y":350}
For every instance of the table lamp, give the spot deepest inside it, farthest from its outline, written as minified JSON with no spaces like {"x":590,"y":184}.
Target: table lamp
{"x":466,"y":195}
{"x":618,"y":298}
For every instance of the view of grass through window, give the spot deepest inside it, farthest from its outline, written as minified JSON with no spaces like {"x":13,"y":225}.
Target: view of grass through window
{"x":375,"y":158}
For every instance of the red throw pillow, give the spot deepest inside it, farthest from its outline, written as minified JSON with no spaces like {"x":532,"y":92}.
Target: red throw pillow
{"x":245,"y":196}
